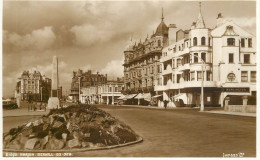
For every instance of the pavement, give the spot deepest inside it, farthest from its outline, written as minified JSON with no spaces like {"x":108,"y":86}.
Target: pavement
{"x":233,"y":113}
{"x":23,"y":112}
{"x":175,"y":133}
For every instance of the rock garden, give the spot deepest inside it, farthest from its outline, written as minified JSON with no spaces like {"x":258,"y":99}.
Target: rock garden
{"x":74,"y":127}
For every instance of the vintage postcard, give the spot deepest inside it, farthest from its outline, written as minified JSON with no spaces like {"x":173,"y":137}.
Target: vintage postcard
{"x":129,"y":79}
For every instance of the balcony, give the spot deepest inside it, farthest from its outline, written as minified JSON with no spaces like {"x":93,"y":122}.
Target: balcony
{"x":184,"y":67}
{"x":200,"y":48}
{"x":168,"y":70}
{"x":186,"y":84}
{"x":192,"y":84}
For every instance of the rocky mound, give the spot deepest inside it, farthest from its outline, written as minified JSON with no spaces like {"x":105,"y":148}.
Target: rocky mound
{"x":79,"y":126}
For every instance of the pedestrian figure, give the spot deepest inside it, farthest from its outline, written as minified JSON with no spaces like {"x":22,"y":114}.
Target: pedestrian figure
{"x":165,"y":104}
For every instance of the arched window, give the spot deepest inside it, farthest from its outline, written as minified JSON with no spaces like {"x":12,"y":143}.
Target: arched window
{"x":195,"y":41}
{"x":179,"y":48}
{"x":231,"y":41}
{"x":203,"y":41}
{"x":159,"y":43}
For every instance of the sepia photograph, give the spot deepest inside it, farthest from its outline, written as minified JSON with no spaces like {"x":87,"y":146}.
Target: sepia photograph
{"x":139,"y":79}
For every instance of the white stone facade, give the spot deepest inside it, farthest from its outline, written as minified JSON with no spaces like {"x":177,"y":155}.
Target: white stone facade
{"x":102,"y":94}
{"x":229,"y":53}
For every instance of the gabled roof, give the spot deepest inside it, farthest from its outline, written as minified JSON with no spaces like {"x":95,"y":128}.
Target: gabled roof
{"x":220,"y":30}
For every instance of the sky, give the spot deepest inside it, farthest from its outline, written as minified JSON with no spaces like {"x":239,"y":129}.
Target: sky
{"x":94,"y":34}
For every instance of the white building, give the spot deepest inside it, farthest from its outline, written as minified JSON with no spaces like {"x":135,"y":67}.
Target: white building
{"x":107,"y":93}
{"x":229,"y":53}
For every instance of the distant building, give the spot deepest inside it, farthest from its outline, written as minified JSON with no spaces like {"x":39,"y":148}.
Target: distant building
{"x":33,"y":84}
{"x":105,"y":93}
{"x":83,"y":80}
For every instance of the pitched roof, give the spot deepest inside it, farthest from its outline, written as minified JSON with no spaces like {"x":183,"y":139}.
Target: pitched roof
{"x":230,"y":31}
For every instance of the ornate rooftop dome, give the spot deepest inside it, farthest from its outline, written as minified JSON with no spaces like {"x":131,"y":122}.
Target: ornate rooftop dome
{"x":162,"y":29}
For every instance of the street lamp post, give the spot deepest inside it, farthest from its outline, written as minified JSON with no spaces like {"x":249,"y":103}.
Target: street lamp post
{"x":41,"y":94}
{"x":79,"y":88}
{"x":202,"y":85}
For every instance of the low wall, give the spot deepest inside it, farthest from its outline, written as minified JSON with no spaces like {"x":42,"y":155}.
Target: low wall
{"x":241,"y":108}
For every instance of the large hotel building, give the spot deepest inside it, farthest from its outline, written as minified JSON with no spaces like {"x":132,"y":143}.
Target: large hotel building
{"x":141,"y":65}
{"x":174,"y":62}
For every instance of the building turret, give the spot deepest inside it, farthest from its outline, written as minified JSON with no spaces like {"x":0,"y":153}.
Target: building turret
{"x":162,"y":29}
{"x":200,"y":21}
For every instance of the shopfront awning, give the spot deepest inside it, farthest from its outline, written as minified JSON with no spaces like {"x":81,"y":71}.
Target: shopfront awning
{"x":182,"y":96}
{"x":130,"y":96}
{"x":147,"y":96}
{"x":178,"y":95}
{"x":156,"y":96}
{"x":139,"y":96}
{"x":121,"y":97}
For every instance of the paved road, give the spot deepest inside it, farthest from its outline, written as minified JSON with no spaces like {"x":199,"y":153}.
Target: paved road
{"x":182,"y":133}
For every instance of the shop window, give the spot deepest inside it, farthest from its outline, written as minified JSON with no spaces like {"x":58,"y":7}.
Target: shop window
{"x":243,"y":42}
{"x":195,"y":41}
{"x":231,"y":58}
{"x":246,"y":58}
{"x":203,"y":41}
{"x":231,"y":41}
{"x":244,"y":76}
{"x":253,"y":76}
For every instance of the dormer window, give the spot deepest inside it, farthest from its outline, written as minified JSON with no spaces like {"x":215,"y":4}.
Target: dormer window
{"x":231,"y":41}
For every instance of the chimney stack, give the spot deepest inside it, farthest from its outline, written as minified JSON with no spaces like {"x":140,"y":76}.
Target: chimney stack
{"x":172,"y":33}
{"x":219,"y":19}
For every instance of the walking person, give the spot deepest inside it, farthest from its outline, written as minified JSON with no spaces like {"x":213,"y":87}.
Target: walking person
{"x":165,"y":104}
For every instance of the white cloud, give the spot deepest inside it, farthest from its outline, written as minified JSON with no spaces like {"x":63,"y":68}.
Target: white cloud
{"x":114,"y":69}
{"x":244,"y":21}
{"x":87,"y":35}
{"x":39,"y":39}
